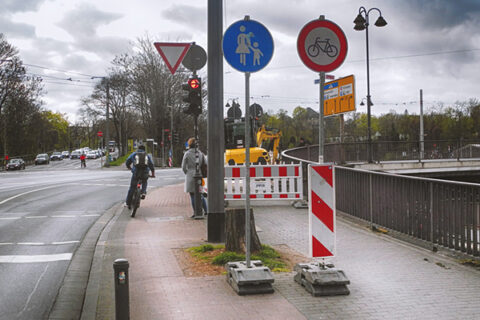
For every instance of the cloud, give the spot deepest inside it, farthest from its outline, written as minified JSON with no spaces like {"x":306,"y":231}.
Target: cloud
{"x":82,"y":24}
{"x":13,"y":29}
{"x":13,"y":6}
{"x":194,"y":17}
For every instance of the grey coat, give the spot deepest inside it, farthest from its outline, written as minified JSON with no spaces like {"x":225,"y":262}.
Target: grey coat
{"x":188,"y":167}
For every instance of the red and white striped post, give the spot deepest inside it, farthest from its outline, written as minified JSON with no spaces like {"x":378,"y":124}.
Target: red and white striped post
{"x":321,"y":207}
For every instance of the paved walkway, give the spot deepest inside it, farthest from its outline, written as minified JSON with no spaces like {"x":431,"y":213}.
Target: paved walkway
{"x":389,"y":279}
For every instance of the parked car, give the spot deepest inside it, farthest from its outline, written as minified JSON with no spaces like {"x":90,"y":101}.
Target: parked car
{"x":92,"y":155}
{"x":65,"y":154}
{"x":16,"y":164}
{"x":56,"y":156}
{"x":42,"y":158}
{"x":75,"y":154}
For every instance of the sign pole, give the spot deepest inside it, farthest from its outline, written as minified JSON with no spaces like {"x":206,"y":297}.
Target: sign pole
{"x":247,"y":168}
{"x":321,"y":137}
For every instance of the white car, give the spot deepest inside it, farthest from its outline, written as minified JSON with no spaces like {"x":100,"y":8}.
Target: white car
{"x":92,"y":155}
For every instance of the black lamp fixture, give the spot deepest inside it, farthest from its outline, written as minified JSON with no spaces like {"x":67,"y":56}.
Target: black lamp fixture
{"x":362,"y":23}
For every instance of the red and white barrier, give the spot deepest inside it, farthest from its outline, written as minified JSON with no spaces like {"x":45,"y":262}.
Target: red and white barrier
{"x":321,"y":207}
{"x":279,"y":182}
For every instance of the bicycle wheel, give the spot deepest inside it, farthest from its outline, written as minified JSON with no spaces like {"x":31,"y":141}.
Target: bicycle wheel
{"x":332,"y":51}
{"x":135,"y":202}
{"x":313,"y":51}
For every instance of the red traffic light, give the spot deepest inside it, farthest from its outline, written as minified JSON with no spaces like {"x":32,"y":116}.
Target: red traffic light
{"x":194,"y":83}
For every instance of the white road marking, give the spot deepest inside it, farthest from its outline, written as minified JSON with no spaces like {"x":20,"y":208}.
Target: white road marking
{"x":36,"y":258}
{"x":22,"y":194}
{"x":35,"y":217}
{"x":6,"y":243}
{"x":10,"y":218}
{"x":90,"y":215}
{"x":65,"y":242}
{"x":64,"y":216}
{"x":31,"y":243}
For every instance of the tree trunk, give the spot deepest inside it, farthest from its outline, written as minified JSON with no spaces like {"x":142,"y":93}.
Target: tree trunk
{"x":235,"y":231}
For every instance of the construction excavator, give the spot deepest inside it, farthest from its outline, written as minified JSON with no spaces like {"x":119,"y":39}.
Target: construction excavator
{"x":234,"y":126}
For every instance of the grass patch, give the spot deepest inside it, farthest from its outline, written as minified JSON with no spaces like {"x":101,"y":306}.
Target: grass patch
{"x":267,"y":255}
{"x":119,"y":161}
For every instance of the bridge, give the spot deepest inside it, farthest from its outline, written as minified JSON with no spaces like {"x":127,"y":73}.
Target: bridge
{"x":402,"y":196}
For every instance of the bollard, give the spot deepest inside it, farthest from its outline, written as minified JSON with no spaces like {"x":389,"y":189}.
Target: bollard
{"x":122,"y":303}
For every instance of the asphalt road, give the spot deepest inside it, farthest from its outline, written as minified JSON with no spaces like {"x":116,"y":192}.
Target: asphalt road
{"x":45,"y":211}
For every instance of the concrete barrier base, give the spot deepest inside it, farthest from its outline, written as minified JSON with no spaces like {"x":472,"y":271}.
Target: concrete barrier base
{"x":254,"y":280}
{"x":321,"y":279}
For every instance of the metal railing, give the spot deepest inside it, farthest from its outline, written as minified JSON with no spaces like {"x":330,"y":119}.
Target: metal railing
{"x":445,"y":213}
{"x":349,"y":152}
{"x":442,"y":212}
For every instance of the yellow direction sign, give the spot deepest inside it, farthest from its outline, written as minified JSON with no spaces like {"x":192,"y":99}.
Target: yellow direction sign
{"x":339,"y":96}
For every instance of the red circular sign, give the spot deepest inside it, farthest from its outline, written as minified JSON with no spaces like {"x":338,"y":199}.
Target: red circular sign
{"x":322,"y":45}
{"x":99,"y":133}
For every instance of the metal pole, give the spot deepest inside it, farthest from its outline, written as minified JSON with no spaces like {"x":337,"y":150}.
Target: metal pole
{"x":216,"y":139}
{"x":369,"y":102}
{"x":121,"y":278}
{"x":321,"y":130}
{"x":107,"y":119}
{"x":171,"y":133}
{"x":422,"y":136}
{"x":163,"y":145}
{"x":321,"y":137}
{"x":247,"y":166}
{"x":197,"y":177}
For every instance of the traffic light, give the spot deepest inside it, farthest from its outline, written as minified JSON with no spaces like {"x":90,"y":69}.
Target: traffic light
{"x":175,"y":137}
{"x":193,"y":96}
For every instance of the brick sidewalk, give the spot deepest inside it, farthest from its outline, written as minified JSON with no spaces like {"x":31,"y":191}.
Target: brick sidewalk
{"x":389,"y":278}
{"x":158,"y":287}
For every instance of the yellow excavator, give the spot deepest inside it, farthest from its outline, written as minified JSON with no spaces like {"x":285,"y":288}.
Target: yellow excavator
{"x":272,"y":137}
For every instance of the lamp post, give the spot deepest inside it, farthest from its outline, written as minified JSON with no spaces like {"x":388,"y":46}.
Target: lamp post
{"x":362,"y":23}
{"x":107,"y":119}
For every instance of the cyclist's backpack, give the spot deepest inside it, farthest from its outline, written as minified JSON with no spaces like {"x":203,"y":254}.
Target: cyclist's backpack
{"x":140,"y":160}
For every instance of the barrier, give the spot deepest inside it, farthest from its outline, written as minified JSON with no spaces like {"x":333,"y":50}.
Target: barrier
{"x":321,"y":210}
{"x":279,"y":182}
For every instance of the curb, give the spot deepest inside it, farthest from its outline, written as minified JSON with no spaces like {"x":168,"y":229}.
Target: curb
{"x":69,"y":302}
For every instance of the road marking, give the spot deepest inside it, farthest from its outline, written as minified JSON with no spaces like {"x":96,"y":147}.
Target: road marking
{"x":90,"y":215}
{"x":6,"y":243}
{"x":66,"y":242}
{"x":65,"y":216}
{"x":36,"y":217}
{"x":10,"y":218}
{"x":31,"y":243}
{"x":22,"y":194}
{"x":36,"y":258}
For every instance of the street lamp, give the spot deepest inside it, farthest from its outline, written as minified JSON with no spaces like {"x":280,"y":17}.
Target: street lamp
{"x":362,"y":23}
{"x":107,"y":120}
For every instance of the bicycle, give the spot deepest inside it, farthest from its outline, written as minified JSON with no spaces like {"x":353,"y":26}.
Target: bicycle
{"x":314,"y":49}
{"x":137,"y":196}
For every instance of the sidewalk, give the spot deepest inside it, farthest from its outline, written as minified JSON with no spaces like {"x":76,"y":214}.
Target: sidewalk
{"x":389,"y":279}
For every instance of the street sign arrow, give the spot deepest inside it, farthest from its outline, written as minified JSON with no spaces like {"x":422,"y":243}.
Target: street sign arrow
{"x":172,"y":53}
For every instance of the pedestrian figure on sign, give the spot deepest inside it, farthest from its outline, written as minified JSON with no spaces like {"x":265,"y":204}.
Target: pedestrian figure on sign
{"x":256,"y":53}
{"x":243,"y":45}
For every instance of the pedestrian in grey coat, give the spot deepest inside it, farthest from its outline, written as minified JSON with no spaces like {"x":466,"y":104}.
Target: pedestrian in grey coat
{"x":188,"y":167}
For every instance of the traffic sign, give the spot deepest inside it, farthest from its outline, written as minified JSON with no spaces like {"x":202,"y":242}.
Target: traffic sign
{"x":195,"y":59}
{"x":247,"y":46}
{"x":339,"y":96}
{"x":172,"y":53}
{"x":100,"y":133}
{"x":322,"y":45}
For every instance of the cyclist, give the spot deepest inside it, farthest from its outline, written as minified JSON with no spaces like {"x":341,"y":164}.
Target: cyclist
{"x":142,"y":164}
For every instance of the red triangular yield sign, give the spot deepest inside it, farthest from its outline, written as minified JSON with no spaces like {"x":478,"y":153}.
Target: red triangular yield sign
{"x":172,"y":53}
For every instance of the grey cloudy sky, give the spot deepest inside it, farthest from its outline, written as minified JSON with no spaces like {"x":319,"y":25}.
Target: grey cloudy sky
{"x":432,"y":45}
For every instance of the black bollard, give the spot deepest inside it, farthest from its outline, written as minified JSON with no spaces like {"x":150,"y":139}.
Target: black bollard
{"x":122,"y":303}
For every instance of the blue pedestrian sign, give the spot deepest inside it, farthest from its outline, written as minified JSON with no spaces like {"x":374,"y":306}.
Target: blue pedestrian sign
{"x":247,"y":46}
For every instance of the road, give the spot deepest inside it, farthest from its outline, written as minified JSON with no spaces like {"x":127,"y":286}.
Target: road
{"x":45,"y":211}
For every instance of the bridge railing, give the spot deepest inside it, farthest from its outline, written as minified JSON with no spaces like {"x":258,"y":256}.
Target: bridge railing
{"x":349,"y":152}
{"x":445,"y":213}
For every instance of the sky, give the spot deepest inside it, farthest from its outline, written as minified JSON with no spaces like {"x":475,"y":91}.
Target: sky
{"x":433,"y":45}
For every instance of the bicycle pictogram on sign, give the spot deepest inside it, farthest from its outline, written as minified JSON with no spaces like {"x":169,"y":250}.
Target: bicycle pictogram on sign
{"x":322,"y":46}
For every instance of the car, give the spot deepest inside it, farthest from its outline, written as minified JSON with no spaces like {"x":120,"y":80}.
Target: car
{"x":75,"y":154}
{"x":56,"y":156}
{"x":92,"y":155}
{"x":16,"y":164}
{"x":42,"y":158}
{"x":65,"y":154}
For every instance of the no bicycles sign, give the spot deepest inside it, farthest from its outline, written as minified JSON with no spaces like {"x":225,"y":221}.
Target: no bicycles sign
{"x":322,"y":45}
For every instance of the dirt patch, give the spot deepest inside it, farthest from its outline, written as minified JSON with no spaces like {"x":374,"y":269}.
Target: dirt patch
{"x":193,"y":266}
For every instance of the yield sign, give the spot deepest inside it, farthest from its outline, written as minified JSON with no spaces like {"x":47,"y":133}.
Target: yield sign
{"x":172,"y":53}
